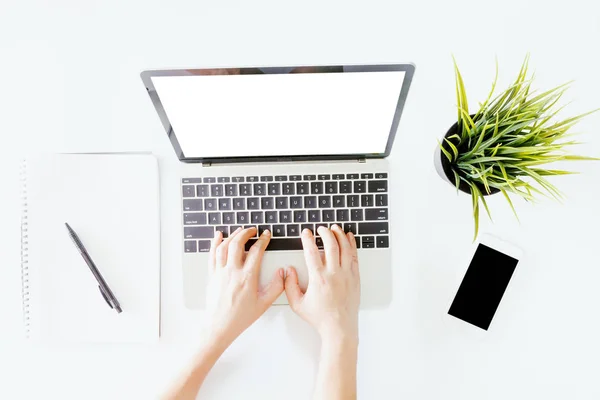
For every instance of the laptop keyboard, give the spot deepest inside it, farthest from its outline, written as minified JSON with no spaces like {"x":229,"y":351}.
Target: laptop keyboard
{"x":286,"y":205}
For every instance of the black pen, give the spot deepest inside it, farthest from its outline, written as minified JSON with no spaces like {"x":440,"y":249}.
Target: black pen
{"x":104,"y":289}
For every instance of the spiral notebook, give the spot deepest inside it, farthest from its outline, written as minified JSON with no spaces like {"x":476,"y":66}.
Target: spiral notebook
{"x":112,"y":203}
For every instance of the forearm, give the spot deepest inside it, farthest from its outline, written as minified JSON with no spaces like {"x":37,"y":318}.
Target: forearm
{"x":191,"y":379}
{"x":336,"y":378}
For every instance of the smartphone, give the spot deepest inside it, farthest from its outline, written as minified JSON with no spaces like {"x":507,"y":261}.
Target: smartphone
{"x":493,"y":264}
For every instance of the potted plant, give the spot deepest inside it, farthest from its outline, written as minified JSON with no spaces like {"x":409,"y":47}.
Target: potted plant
{"x":504,"y":146}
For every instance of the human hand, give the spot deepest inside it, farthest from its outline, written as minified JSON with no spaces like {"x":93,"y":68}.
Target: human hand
{"x":332,"y":297}
{"x":233,"y":294}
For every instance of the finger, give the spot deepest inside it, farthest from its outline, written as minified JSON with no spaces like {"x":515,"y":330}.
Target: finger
{"x":237,"y":246}
{"x":212,"y":255}
{"x":352,"y":240}
{"x":330,"y":245}
{"x":292,"y":289}
{"x":311,"y":252}
{"x":256,"y":252}
{"x":344,"y":245}
{"x":223,"y":250}
{"x":271,"y":292}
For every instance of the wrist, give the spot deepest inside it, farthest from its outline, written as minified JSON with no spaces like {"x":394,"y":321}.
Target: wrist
{"x":336,"y":336}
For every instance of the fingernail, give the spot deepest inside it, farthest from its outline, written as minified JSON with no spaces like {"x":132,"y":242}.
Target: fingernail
{"x":281,"y":272}
{"x":306,"y":231}
{"x":335,"y":226}
{"x":266,"y":232}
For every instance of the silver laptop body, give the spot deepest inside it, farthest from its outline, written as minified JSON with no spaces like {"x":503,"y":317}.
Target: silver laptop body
{"x":284,"y":148}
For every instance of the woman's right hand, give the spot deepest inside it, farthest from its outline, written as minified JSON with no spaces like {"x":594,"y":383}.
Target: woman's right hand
{"x":332,"y":298}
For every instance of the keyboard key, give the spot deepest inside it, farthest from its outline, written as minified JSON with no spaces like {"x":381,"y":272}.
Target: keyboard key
{"x":281,"y":203}
{"x":342,"y":215}
{"x":256,"y":217}
{"x":223,"y":179}
{"x":299,"y":216}
{"x":277,"y":244}
{"x":252,"y":203}
{"x":319,"y":243}
{"x":285,"y":216}
{"x":338,"y":177}
{"x":252,"y":226}
{"x":245,"y":189}
{"x":366,"y":200}
{"x":239,"y":203}
{"x":191,"y":246}
{"x":356,"y":214}
{"x":316,"y":187}
{"x":231,"y":190}
{"x":209,"y":180}
{"x":382,"y":241}
{"x":314,"y":216}
{"x":188,"y":191}
{"x":267,"y":203}
{"x":339,"y":201}
{"x":271,"y":217}
{"x":295,"y":177}
{"x":350,"y":227}
{"x":210,"y":204}
{"x":191,"y":180}
{"x":223,"y":229}
{"x":346,"y":187}
{"x":310,"y":202}
{"x":252,"y":179}
{"x":373,"y":214}
{"x":324,"y":201}
{"x":373,"y":228}
{"x":194,"y":219}
{"x":367,"y":245}
{"x":260,"y":189}
{"x":378,"y":186}
{"x":353,"y":200}
{"x":381,"y":200}
{"x":310,"y":177}
{"x":310,"y":227}
{"x":295,"y":202}
{"x":331,"y":187}
{"x":328,"y":215}
{"x":280,"y":178}
{"x":262,"y":228}
{"x":323,"y":177}
{"x":360,"y":186}
{"x":192,"y":205}
{"x":381,"y":175}
{"x":204,"y":246}
{"x":293,"y":230}
{"x":278,"y":230}
{"x":242,"y":217}
{"x":214,"y":218}
{"x":198,"y":232}
{"x":229,"y":218}
{"x":357,"y":239}
{"x":302,"y":187}
{"x":233,"y":228}
{"x":225,"y":204}
{"x":274,"y":189}
{"x":289,"y":188}
{"x":351,"y":176}
{"x":266,"y":179}
{"x":366,"y":176}
{"x":237,"y":179}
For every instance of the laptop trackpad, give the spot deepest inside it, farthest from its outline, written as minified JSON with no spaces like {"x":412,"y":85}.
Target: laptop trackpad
{"x":273,"y":260}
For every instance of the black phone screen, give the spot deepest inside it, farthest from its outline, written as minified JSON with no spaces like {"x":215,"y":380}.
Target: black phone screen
{"x":483,"y":286}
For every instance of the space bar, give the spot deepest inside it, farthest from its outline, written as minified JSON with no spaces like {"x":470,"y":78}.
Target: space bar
{"x":279,"y":244}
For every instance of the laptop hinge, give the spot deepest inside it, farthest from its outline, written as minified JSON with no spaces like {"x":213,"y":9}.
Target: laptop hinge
{"x":362,"y":160}
{"x":206,"y":164}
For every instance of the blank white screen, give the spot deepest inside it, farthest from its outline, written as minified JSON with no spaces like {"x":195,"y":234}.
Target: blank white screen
{"x":281,"y":114}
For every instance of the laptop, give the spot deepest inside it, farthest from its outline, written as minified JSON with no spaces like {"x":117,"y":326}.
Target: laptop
{"x":284,"y":149}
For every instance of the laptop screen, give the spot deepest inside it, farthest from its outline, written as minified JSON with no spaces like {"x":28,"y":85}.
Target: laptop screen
{"x":302,"y":111}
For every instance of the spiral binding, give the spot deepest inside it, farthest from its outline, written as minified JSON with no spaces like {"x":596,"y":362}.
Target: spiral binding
{"x":24,"y":248}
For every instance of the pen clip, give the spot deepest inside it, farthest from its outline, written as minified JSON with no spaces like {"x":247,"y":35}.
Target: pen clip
{"x":105,"y":297}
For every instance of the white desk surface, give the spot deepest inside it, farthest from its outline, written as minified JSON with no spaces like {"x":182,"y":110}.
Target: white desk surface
{"x":69,"y":82}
